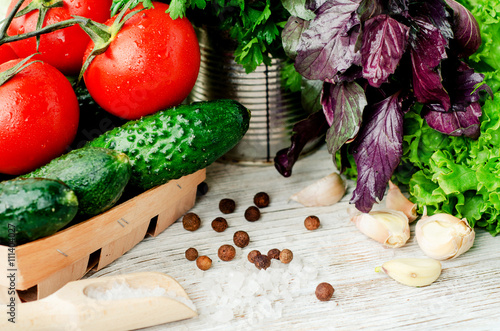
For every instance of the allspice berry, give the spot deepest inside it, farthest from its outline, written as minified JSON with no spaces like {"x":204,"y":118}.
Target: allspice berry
{"x":191,"y":254}
{"x":204,"y":262}
{"x":241,"y":239}
{"x":261,"y":199}
{"x":286,"y":256}
{"x":191,"y":222}
{"x":227,"y":206}
{"x":252,"y":255}
{"x":262,"y":262}
{"x":252,"y":214}
{"x":274,"y":253}
{"x":219,"y":224}
{"x":324,"y":291}
{"x":226,"y":252}
{"x":311,"y":222}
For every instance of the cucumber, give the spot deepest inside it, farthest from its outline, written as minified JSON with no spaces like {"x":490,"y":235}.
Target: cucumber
{"x":34,"y":208}
{"x":179,"y":141}
{"x":97,"y":175}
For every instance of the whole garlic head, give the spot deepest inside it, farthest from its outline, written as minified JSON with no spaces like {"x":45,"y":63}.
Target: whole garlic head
{"x":389,"y":227}
{"x":443,"y":236}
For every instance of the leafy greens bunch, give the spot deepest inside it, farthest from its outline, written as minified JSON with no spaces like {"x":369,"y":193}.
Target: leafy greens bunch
{"x":457,"y":175}
{"x":379,"y":60}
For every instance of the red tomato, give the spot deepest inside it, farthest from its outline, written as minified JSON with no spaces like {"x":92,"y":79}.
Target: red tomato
{"x":64,"y":48}
{"x":152,"y":64}
{"x":38,"y":117}
{"x":6,"y":53}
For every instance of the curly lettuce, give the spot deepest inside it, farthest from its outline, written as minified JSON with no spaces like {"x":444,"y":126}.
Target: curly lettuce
{"x":455,"y":175}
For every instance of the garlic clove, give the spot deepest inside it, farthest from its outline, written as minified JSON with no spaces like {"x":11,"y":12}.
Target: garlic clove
{"x":397,"y":201}
{"x":388,"y":227}
{"x":412,"y":271}
{"x":443,"y":236}
{"x":324,"y":192}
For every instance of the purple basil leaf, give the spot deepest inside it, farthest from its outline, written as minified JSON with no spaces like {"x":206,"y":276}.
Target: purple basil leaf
{"x":369,"y":8}
{"x":343,"y":105}
{"x":462,"y":83}
{"x":465,"y":29}
{"x":435,"y":12}
{"x":291,"y":35}
{"x":311,"y":95}
{"x":456,"y":123}
{"x":384,"y":43}
{"x":314,"y":5}
{"x":298,"y":8}
{"x":399,"y":7}
{"x":428,"y":48}
{"x":327,"y":46}
{"x":305,"y":131}
{"x":377,"y":151}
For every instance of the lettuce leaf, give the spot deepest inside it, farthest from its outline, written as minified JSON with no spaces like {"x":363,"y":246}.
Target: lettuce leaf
{"x":455,"y":175}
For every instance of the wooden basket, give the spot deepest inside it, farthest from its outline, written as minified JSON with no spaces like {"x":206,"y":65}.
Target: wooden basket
{"x":45,"y":265}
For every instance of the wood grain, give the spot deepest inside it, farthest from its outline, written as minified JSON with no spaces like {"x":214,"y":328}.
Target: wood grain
{"x":465,"y":297}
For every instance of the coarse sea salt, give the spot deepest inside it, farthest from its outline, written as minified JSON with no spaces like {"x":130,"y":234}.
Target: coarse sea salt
{"x":122,"y":290}
{"x":240,"y":291}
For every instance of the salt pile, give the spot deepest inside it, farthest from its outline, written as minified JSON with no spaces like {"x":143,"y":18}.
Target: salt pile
{"x":122,"y":290}
{"x":239,"y":289}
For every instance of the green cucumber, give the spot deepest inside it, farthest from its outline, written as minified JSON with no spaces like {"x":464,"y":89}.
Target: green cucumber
{"x":34,"y":208}
{"x":97,"y":175}
{"x":179,"y":141}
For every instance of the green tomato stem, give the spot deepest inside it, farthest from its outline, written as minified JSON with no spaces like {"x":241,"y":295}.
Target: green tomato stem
{"x":11,"y":72}
{"x":46,"y":29}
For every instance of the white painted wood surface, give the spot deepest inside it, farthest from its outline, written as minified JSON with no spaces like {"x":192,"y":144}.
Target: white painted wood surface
{"x":465,"y":297}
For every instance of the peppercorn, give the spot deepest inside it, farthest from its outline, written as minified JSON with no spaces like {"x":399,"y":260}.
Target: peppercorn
{"x":252,"y":255}
{"x":252,"y":214}
{"x":204,"y":262}
{"x":274,"y":253}
{"x":261,"y":199}
{"x":191,"y":254}
{"x":286,"y":256}
{"x":311,"y":222}
{"x":191,"y":222}
{"x":201,"y":189}
{"x":227,"y":206}
{"x":262,"y":262}
{"x":219,"y":224}
{"x":241,"y":239}
{"x":226,"y":252}
{"x":324,"y":291}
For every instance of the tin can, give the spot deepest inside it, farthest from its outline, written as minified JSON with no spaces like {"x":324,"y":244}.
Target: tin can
{"x":274,"y":109}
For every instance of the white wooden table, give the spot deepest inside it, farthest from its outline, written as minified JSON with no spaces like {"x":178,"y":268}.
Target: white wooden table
{"x":466,"y":296}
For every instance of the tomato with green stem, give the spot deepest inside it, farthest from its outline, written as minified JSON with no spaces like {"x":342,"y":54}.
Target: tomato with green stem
{"x":150,"y":64}
{"x":38,"y":115}
{"x":63,"y":48}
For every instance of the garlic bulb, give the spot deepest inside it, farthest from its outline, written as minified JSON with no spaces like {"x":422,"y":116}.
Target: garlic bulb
{"x":324,"y":192}
{"x":443,"y":236}
{"x":411,"y":271}
{"x":389,"y":227}
{"x":397,"y":201}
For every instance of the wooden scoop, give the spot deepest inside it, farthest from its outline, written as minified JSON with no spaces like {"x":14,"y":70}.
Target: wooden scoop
{"x":70,"y":308}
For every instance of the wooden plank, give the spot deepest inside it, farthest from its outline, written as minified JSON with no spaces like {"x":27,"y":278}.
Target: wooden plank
{"x":58,"y":279}
{"x":175,"y":210}
{"x":336,"y":253}
{"x":117,"y":248}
